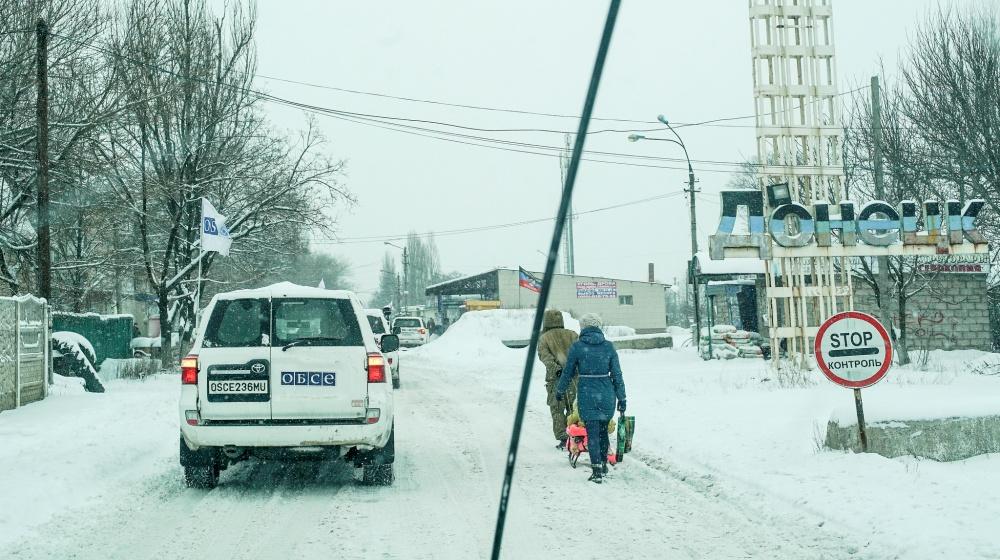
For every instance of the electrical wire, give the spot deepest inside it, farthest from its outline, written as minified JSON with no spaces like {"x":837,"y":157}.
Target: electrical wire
{"x":478,"y":229}
{"x":550,"y":266}
{"x":397,"y":123}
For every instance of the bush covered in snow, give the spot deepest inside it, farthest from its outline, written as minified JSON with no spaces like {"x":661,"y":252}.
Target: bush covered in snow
{"x":76,"y":359}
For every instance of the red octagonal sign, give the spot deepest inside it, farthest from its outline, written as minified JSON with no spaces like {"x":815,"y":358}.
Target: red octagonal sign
{"x":853,"y":349}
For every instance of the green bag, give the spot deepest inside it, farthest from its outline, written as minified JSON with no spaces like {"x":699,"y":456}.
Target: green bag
{"x":626,"y":429}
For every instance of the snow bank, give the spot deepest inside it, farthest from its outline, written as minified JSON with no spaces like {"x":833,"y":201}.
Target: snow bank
{"x":77,"y":449}
{"x":753,"y":435}
{"x":62,"y":385}
{"x":921,"y":403}
{"x":478,"y":335}
{"x":618,"y":331}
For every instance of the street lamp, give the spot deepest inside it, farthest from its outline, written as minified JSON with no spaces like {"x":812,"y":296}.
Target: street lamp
{"x":406,"y":264}
{"x":694,"y":219}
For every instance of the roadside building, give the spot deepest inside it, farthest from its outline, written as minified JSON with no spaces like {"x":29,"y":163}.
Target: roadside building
{"x":738,"y":289}
{"x":947,"y":308}
{"x":631,"y":303}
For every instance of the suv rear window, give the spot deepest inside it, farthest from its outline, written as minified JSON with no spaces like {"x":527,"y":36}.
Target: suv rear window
{"x":401,"y":322}
{"x":376,"y":323}
{"x":239,"y":322}
{"x":316,"y":322}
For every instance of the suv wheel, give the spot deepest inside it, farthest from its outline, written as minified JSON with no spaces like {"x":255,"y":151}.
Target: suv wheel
{"x":201,"y":476}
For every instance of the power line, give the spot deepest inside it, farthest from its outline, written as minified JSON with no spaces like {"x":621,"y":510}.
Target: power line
{"x":387,"y":122}
{"x":711,"y":122}
{"x":479,"y":229}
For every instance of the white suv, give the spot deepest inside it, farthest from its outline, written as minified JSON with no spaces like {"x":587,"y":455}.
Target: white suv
{"x":411,"y":331}
{"x":380,"y":326}
{"x":286,"y":371}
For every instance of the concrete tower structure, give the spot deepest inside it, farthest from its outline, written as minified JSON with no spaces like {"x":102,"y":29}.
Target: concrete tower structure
{"x":799,"y":127}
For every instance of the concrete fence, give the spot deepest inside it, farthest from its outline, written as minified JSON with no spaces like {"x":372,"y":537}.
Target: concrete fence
{"x":25,"y":351}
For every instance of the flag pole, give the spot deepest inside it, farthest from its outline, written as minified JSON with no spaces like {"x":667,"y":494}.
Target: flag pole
{"x":197,"y":298}
{"x":201,"y":253}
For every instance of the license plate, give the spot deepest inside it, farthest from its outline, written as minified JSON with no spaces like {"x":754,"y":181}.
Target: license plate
{"x":238,"y":387}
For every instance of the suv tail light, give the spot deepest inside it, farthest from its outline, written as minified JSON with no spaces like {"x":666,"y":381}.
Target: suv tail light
{"x":189,"y":370}
{"x":376,"y":368}
{"x":422,"y":330}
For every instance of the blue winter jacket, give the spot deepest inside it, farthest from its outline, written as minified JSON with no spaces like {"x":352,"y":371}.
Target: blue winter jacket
{"x":595,"y":360}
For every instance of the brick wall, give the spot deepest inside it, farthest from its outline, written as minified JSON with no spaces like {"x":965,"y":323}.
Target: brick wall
{"x":951,"y":313}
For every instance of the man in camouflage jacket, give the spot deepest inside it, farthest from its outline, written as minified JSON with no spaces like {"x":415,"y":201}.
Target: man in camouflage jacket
{"x":553,"y":346}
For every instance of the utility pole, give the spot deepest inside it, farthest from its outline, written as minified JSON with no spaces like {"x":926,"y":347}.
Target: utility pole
{"x":399,"y":295}
{"x":692,"y":192}
{"x":406,"y":276}
{"x":883,"y":262}
{"x":694,"y":251}
{"x":42,"y":145}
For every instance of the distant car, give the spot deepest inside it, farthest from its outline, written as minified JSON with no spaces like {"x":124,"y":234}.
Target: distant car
{"x":380,"y":326}
{"x":286,"y":371}
{"x":411,"y":331}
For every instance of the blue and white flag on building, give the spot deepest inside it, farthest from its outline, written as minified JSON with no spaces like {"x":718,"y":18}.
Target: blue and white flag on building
{"x":214,"y":233}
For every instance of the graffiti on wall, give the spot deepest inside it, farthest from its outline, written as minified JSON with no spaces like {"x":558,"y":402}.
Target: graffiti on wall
{"x":934,"y":329}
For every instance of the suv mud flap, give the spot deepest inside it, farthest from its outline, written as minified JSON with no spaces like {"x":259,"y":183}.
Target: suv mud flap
{"x":201,"y":457}
{"x":383,"y":456}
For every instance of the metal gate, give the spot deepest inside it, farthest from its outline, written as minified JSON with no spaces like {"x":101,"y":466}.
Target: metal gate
{"x":25,"y":352}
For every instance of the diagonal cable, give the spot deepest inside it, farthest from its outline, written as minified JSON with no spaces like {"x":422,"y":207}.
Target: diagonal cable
{"x":550,"y":266}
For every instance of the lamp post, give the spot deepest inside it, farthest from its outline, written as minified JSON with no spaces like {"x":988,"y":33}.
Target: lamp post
{"x":694,"y":219}
{"x":406,"y":264}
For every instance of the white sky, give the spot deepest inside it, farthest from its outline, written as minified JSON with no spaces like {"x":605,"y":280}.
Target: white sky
{"x":690,"y":61}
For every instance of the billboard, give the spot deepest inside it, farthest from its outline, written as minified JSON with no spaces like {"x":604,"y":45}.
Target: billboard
{"x":600,"y":289}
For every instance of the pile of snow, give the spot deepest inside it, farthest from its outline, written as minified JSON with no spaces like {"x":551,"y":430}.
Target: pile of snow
{"x":145,"y":342}
{"x":66,"y":386}
{"x":618,"y":331}
{"x":681,"y":336}
{"x":478,"y":335}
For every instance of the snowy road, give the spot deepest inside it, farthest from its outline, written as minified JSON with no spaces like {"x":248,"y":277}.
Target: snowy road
{"x":453,"y":426}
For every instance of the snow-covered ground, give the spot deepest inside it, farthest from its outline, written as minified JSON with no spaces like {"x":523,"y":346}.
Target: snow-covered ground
{"x":726,"y":465}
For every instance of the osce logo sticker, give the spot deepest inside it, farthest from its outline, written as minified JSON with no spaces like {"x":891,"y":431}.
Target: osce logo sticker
{"x":318,"y":378}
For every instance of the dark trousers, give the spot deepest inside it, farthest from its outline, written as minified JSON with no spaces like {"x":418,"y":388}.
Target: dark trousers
{"x":597,"y":441}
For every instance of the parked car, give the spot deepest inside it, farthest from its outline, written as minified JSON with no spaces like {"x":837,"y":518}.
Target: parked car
{"x":411,"y":331}
{"x":286,"y":371}
{"x":380,"y":326}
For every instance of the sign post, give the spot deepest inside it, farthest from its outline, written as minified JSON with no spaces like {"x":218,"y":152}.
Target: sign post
{"x":853,"y":350}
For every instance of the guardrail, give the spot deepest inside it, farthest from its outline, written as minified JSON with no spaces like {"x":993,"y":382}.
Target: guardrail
{"x":25,"y":351}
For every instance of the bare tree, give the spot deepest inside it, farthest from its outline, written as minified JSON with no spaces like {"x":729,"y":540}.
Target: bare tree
{"x":906,"y":177}
{"x":194,"y":129}
{"x":80,"y":101}
{"x":952,"y":75}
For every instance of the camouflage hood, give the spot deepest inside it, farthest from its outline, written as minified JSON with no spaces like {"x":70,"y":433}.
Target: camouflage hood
{"x":553,"y":319}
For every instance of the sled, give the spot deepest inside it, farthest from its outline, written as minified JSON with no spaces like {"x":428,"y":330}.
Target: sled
{"x":626,"y":429}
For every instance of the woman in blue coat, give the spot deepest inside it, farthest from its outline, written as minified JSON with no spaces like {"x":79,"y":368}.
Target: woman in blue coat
{"x":595,"y":360}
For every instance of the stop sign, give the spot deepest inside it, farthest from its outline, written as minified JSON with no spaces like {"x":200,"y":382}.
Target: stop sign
{"x":853,"y":349}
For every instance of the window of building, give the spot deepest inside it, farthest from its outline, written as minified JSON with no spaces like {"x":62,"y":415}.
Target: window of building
{"x":624,"y":300}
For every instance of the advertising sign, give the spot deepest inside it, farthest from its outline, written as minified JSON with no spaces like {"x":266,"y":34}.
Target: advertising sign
{"x":600,"y":289}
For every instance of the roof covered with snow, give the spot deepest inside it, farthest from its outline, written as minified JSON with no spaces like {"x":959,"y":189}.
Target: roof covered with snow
{"x":486,"y":282}
{"x":286,"y":289}
{"x":707,"y":267}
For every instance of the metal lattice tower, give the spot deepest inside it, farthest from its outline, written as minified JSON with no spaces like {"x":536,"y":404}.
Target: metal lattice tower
{"x":799,"y":143}
{"x":566,"y":249}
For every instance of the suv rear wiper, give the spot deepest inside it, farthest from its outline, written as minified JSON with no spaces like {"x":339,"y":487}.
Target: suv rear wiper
{"x":299,"y":341}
